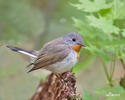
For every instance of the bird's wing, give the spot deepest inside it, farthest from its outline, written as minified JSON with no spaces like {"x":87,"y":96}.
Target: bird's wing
{"x":53,"y":52}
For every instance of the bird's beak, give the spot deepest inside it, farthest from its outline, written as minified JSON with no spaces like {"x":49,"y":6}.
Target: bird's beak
{"x":83,"y":45}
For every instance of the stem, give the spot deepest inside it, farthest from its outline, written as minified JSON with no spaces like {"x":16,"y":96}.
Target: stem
{"x":122,"y":62}
{"x":109,"y":78}
{"x":113,"y":67}
{"x":106,"y":70}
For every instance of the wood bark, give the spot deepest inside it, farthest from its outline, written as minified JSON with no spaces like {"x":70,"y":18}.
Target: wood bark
{"x":57,"y":89}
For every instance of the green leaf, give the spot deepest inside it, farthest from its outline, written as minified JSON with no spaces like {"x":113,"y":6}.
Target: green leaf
{"x":106,"y":91}
{"x":88,"y":32}
{"x":98,"y":52}
{"x":87,"y":96}
{"x":113,"y":43}
{"x":92,"y":5}
{"x":106,"y":25}
{"x":123,"y":33}
{"x":118,"y":9}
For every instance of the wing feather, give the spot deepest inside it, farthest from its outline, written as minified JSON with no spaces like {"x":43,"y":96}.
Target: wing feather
{"x":51,"y":54}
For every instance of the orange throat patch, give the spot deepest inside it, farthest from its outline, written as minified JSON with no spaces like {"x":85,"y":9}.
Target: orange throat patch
{"x":77,"y":48}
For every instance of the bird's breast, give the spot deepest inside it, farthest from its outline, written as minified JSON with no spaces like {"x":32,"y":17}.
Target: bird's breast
{"x":77,"y":48}
{"x":65,"y":65}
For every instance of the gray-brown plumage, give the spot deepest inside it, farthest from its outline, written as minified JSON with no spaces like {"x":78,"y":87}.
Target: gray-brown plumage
{"x":52,"y":52}
{"x":58,"y":56}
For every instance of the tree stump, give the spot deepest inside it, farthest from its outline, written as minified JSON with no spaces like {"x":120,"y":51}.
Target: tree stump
{"x":55,"y":89}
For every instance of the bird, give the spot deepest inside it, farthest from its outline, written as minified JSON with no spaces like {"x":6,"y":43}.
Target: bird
{"x":57,"y":56}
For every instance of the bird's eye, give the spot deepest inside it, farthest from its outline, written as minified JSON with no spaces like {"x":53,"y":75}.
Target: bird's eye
{"x":74,"y":39}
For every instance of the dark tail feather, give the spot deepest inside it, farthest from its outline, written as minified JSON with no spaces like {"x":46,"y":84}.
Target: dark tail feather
{"x":26,"y":52}
{"x":16,"y":49}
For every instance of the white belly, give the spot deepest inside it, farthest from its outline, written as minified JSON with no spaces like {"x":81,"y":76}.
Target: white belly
{"x":64,"y":65}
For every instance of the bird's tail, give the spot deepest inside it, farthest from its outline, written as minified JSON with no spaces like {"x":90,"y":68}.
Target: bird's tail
{"x":26,"y":52}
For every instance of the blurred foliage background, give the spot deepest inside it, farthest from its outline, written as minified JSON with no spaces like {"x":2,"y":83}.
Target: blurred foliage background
{"x":31,"y":23}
